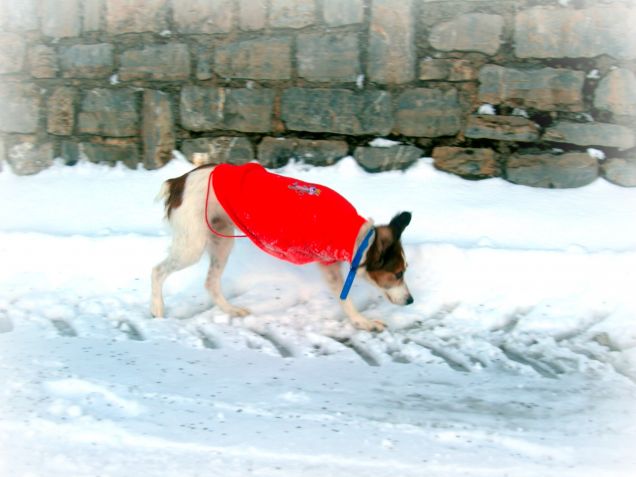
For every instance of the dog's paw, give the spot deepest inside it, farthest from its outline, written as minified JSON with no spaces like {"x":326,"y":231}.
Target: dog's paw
{"x":156,"y":312}
{"x":370,"y":325}
{"x":377,"y":325}
{"x":238,"y":312}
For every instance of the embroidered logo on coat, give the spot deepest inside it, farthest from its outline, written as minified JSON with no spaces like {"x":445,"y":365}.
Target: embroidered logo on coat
{"x":305,"y":189}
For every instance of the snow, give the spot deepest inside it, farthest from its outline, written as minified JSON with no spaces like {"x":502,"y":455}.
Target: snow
{"x":360,"y":81}
{"x":487,"y":109}
{"x":520,"y":112}
{"x":517,"y":358}
{"x":383,"y":142}
{"x":596,"y":153}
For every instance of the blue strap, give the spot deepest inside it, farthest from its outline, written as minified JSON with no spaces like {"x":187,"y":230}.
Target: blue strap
{"x":355,"y":264}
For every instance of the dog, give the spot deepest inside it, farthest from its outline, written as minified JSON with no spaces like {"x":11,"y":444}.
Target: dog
{"x":288,"y":218}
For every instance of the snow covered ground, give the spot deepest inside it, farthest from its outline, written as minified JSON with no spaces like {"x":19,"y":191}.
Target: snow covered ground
{"x":518,"y":357}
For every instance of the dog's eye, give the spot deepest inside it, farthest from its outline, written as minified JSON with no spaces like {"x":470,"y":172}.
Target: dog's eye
{"x":399,"y":275}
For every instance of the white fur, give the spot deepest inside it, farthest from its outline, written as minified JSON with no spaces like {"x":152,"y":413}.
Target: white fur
{"x":398,"y":295}
{"x":191,"y":238}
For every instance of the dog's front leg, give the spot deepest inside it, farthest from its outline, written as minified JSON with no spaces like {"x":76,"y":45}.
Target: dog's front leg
{"x":333,"y":277}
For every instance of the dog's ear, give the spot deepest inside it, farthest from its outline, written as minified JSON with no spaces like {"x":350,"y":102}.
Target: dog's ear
{"x":382,"y":241}
{"x":399,"y":223}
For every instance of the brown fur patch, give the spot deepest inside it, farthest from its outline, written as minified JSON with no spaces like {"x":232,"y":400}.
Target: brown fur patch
{"x":385,"y":259}
{"x":176,"y":189}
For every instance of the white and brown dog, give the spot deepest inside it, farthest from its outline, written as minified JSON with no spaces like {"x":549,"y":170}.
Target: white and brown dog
{"x":293,"y":220}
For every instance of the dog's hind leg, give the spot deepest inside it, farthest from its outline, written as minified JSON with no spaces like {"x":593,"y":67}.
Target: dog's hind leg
{"x":182,"y":255}
{"x":219,"y":249}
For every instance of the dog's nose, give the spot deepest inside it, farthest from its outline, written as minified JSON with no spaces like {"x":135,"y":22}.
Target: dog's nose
{"x":409,"y":300}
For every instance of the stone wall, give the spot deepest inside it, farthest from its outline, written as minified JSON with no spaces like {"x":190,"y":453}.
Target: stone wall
{"x":514,"y":88}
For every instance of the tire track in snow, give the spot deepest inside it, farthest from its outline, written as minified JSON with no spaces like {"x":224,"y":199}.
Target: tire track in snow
{"x":518,"y":356}
{"x":6,"y":325}
{"x":207,"y":340}
{"x":455,"y":359}
{"x":64,"y":328}
{"x":567,"y":352}
{"x":256,"y":340}
{"x":131,"y":331}
{"x":358,"y":349}
{"x":282,"y":348}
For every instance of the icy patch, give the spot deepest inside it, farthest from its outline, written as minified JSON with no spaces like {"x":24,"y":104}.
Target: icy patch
{"x":514,"y":444}
{"x":84,"y":394}
{"x":295,"y":397}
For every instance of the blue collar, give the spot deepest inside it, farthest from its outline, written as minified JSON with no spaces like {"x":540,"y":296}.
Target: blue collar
{"x":355,"y":263}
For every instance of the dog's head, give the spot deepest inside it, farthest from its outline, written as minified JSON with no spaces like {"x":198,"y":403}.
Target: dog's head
{"x":385,"y":262}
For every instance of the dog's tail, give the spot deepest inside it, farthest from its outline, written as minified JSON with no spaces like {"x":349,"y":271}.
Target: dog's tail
{"x":164,"y":192}
{"x":171,"y":193}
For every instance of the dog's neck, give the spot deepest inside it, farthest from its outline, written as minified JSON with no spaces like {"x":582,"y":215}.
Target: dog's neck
{"x":361,"y":234}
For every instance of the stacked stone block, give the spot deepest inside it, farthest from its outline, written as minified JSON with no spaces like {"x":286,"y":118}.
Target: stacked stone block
{"x":510,"y":88}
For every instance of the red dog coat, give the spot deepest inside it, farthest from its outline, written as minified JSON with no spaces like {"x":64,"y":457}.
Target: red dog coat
{"x":288,"y":218}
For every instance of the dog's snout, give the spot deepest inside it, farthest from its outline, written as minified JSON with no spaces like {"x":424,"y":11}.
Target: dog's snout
{"x":399,"y":295}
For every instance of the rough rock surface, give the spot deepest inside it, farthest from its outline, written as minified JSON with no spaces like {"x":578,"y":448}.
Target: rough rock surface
{"x":548,"y":89}
{"x":276,"y":151}
{"x":471,"y":163}
{"x":217,"y":150}
{"x":157,"y":129}
{"x":552,"y":171}
{"x":501,"y":128}
{"x":376,"y":159}
{"x":621,"y":171}
{"x":591,"y":134}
